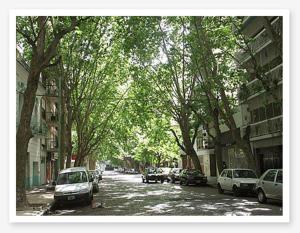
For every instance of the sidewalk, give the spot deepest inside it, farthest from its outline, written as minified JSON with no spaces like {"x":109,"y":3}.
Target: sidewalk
{"x":40,"y":200}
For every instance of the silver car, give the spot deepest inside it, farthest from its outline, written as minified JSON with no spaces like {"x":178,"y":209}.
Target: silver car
{"x":269,"y":185}
{"x":73,"y":184}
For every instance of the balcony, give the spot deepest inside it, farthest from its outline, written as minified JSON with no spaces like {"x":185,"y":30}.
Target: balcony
{"x":266,"y":127}
{"x":254,"y":87}
{"x":259,"y":41}
{"x":52,"y":144}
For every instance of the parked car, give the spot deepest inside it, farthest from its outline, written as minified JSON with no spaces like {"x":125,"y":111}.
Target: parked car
{"x":165,"y":173}
{"x":94,"y":175}
{"x":174,"y":174}
{"x":99,"y":174}
{"x":238,"y":181}
{"x":73,"y":184}
{"x":152,"y":174}
{"x":192,"y":176}
{"x":269,"y":186}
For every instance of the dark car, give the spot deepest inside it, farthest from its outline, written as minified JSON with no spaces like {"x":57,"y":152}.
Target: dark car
{"x":152,"y":174}
{"x":192,"y":176}
{"x":174,"y":174}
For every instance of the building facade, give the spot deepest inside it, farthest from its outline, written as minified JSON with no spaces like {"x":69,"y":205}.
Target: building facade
{"x":41,"y":165}
{"x":262,"y":104}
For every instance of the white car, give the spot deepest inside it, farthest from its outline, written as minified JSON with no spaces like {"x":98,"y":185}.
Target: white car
{"x":73,"y":184}
{"x":269,"y":185}
{"x":237,"y":181}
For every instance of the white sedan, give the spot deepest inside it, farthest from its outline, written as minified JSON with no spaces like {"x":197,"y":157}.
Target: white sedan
{"x":237,"y":181}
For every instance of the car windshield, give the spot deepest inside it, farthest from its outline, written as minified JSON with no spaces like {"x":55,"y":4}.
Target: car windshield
{"x":244,"y":174}
{"x":72,"y":178}
{"x":151,"y":170}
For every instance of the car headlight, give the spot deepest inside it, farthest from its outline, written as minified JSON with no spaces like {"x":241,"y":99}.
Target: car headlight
{"x":58,"y":194}
{"x":84,"y":190}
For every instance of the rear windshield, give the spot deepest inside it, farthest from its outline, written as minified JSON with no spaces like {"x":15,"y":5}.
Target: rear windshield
{"x":244,"y":174}
{"x":72,"y":178}
{"x":193,"y":172}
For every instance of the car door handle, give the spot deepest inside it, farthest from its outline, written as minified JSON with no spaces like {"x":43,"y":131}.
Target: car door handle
{"x":275,"y":184}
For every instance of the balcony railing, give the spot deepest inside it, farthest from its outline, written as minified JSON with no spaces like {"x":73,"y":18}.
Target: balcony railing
{"x":52,"y":145}
{"x":274,"y":77}
{"x":260,"y":41}
{"x":266,"y":127}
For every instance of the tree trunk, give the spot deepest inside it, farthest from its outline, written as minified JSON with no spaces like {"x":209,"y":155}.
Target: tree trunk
{"x":62,"y":145}
{"x":189,"y":147}
{"x":218,"y":153}
{"x":68,"y":129}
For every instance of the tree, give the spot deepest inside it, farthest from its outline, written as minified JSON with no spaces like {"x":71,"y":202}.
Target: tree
{"x":40,"y":36}
{"x":221,"y":77}
{"x":166,"y":69}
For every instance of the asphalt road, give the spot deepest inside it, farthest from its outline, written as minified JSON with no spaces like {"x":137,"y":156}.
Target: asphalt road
{"x":125,"y":194}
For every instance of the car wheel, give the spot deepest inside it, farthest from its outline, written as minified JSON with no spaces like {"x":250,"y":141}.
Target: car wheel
{"x":180,"y":182}
{"x":220,"y":190}
{"x":173,"y":181}
{"x":147,"y":180}
{"x":155,"y":181}
{"x":261,"y":196}
{"x":143,"y":180}
{"x":235,"y":191}
{"x":162,"y":181}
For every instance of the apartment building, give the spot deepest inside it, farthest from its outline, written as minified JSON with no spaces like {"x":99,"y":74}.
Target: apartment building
{"x":261,"y":99}
{"x":35,"y":165}
{"x":41,"y":165}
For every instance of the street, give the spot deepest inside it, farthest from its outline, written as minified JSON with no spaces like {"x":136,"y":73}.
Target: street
{"x":125,"y":194}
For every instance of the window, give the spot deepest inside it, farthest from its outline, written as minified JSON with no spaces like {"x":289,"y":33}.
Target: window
{"x":224,"y":173}
{"x":270,"y":176}
{"x":244,"y":174}
{"x":269,"y":111}
{"x":277,"y":108}
{"x":279,"y":177}
{"x":274,"y":109}
{"x":229,"y":174}
{"x":262,"y":113}
{"x":255,"y":116}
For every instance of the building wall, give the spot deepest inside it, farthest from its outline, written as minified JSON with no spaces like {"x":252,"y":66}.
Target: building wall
{"x":35,"y":171}
{"x":262,"y":110}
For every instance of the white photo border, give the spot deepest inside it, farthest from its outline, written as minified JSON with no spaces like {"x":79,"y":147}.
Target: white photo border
{"x":149,"y":12}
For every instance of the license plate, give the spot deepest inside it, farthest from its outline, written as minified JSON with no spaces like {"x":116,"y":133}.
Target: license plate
{"x":71,"y":198}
